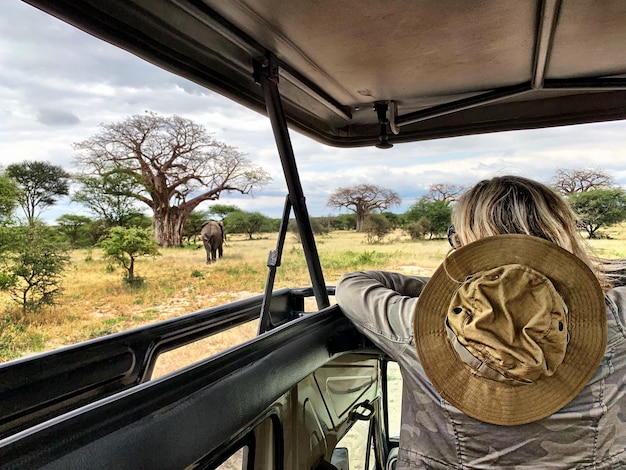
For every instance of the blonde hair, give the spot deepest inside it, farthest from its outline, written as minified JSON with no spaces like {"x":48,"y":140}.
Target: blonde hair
{"x":513,"y":204}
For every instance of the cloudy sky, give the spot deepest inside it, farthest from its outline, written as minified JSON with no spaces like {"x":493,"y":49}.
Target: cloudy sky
{"x":57,"y":85}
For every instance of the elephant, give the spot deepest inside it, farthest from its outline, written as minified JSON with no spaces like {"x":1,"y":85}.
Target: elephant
{"x":213,"y":237}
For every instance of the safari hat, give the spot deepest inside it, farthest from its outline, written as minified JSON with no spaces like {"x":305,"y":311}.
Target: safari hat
{"x":510,"y":328}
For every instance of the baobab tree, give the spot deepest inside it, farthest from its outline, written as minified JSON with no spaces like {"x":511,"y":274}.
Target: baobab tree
{"x":363,"y":199}
{"x":447,"y":192}
{"x":569,"y":181}
{"x":176,"y":164}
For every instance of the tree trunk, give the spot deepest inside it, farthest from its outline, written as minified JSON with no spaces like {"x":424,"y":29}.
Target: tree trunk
{"x":168,"y":226}
{"x":360,"y":218}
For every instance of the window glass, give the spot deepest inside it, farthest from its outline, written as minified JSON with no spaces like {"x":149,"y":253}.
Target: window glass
{"x":196,"y":351}
{"x":257,"y":449}
{"x":355,"y":441}
{"x":394,"y":403}
{"x":235,"y":461}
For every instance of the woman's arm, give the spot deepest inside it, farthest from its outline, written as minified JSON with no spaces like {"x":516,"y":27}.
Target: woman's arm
{"x":381,"y":305}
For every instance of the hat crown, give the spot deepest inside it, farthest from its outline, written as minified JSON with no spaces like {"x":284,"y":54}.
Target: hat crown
{"x":506,"y":402}
{"x":512,"y":320}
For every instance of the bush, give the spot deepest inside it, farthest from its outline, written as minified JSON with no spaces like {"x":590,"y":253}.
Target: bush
{"x":318,"y":227}
{"x":125,"y":245}
{"x":437,"y":213}
{"x":419,"y":229}
{"x":376,"y":226}
{"x":32,"y":270}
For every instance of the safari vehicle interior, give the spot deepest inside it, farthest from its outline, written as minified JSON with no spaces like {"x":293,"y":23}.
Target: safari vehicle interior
{"x":347,"y":74}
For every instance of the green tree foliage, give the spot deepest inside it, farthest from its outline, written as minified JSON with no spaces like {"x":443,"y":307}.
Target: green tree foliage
{"x":319,"y":226}
{"x":193,"y":227}
{"x":394,"y":219}
{"x":8,"y":197}
{"x":177,"y":165}
{"x":345,"y":222}
{"x":432,"y":216}
{"x":418,"y":229}
{"x":140,"y":220}
{"x":125,"y":245}
{"x":599,"y":208}
{"x":96,"y":230}
{"x":363,"y":199}
{"x":222,"y":210}
{"x":73,"y":227}
{"x":109,"y":197}
{"x":32,"y":266}
{"x":376,"y":226}
{"x":40,"y":185}
{"x":247,"y":222}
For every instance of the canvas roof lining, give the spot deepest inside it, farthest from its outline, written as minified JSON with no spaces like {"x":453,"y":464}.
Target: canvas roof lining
{"x":338,"y":58}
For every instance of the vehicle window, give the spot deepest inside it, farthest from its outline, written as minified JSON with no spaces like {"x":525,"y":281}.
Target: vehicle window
{"x":357,"y":446}
{"x":394,"y":403}
{"x":188,"y":354}
{"x":257,"y":449}
{"x":235,"y":461}
{"x":356,"y":440}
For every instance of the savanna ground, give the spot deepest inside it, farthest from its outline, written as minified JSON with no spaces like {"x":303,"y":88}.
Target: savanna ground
{"x":96,"y":302}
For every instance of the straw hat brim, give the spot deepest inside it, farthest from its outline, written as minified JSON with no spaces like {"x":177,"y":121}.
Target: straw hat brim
{"x":498,"y":402}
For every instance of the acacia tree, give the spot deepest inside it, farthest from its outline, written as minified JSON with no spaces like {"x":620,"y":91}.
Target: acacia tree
{"x":125,"y":245}
{"x":32,"y":268}
{"x":72,"y":226}
{"x":193,"y":227}
{"x":363,"y":199}
{"x":40,"y":185}
{"x":222,"y":210}
{"x":425,"y":216}
{"x":598,"y":208}
{"x":570,"y":181}
{"x":109,"y":196}
{"x":8,"y":197}
{"x":247,"y":222}
{"x":176,"y":163}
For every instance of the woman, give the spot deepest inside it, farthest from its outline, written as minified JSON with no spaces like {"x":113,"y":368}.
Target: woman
{"x":513,"y":354}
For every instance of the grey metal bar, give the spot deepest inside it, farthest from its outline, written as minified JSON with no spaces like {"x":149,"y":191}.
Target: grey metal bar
{"x":266,"y":73}
{"x":548,"y":18}
{"x":273,"y":261}
{"x":586,"y":84}
{"x":466,"y":103}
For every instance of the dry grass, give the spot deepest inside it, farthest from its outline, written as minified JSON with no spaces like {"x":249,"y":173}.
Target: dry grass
{"x":96,"y":301}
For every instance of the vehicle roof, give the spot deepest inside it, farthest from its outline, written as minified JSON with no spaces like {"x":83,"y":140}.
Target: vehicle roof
{"x":444,"y":67}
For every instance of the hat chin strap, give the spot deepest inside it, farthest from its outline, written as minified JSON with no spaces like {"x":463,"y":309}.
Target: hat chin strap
{"x":480,"y":367}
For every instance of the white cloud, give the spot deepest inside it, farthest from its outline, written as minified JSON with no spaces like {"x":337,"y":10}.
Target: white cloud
{"x":57,"y":84}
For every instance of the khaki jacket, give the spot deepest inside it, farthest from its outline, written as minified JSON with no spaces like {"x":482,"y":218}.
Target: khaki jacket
{"x":588,"y":433}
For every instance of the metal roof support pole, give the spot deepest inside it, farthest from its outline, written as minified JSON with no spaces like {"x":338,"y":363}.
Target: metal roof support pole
{"x":266,"y":73}
{"x":273,"y":261}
